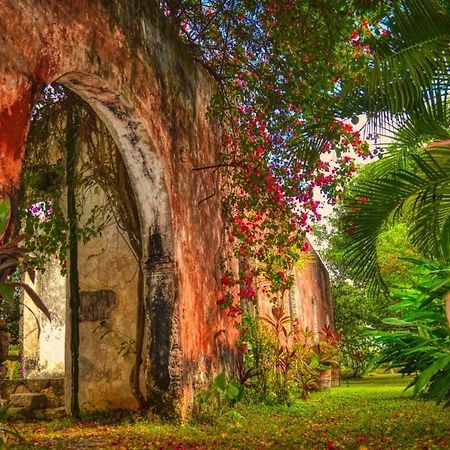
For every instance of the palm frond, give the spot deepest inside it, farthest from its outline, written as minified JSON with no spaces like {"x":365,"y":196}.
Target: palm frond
{"x":419,"y":195}
{"x":413,"y":134}
{"x":410,"y":68}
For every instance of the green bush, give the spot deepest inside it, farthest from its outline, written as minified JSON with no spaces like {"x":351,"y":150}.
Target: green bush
{"x":418,"y":342}
{"x":211,"y":403}
{"x":281,"y":356}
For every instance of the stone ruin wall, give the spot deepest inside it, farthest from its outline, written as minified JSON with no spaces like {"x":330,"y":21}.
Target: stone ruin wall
{"x":309,"y":300}
{"x":125,"y":60}
{"x":42,"y":341}
{"x":108,"y":274}
{"x":313,"y":296}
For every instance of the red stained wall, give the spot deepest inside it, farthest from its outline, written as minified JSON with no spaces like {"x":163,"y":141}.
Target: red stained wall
{"x":129,"y":45}
{"x":309,"y":300}
{"x":134,"y":51}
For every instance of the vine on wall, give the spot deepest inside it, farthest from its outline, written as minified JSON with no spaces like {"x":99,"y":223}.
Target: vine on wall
{"x":282,"y":70}
{"x":99,"y":168}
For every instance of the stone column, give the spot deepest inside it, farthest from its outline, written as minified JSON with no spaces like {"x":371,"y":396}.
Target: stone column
{"x":164,"y":377}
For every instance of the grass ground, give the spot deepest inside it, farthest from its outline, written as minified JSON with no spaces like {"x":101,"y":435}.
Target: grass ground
{"x":373,"y":413}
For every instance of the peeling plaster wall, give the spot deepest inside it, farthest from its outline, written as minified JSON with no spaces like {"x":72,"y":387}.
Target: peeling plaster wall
{"x":107,"y":335}
{"x":124,"y":59}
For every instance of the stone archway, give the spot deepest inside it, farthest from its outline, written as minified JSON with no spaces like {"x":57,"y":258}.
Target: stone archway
{"x":113,"y":313}
{"x":148,"y":181}
{"x":146,"y":88}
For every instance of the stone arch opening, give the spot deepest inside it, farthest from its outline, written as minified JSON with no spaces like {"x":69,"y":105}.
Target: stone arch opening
{"x":100,"y":49}
{"x":152,"y":201}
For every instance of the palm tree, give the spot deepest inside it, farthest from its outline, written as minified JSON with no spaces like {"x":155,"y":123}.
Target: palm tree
{"x":414,"y":188}
{"x":406,"y":92}
{"x":410,"y":66}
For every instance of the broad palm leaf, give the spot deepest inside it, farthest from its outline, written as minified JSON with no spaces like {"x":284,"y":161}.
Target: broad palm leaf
{"x":413,"y":133}
{"x":405,"y":92}
{"x":418,"y":194}
{"x":410,"y":67}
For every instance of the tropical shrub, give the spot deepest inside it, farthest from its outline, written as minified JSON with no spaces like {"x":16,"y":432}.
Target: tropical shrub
{"x":224,"y":393}
{"x":418,"y":342}
{"x":306,"y":364}
{"x":355,"y":311}
{"x":12,"y":255}
{"x":328,"y":346}
{"x":257,"y":355}
{"x":356,"y":308}
{"x":283,"y":358}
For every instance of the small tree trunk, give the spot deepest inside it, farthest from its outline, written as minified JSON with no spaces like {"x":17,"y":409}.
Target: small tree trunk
{"x":73,"y":259}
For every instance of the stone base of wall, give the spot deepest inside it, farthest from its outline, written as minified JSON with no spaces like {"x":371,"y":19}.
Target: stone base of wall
{"x":52,"y":388}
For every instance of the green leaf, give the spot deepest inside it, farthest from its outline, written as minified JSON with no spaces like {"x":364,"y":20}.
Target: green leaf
{"x":232,"y":391}
{"x":315,"y":361}
{"x":397,"y":322}
{"x":5,"y":214}
{"x":429,"y":372}
{"x":424,"y":315}
{"x":220,"y":382}
{"x":324,"y":367}
{"x":445,"y":282}
{"x":419,"y":195}
{"x":7,"y":292}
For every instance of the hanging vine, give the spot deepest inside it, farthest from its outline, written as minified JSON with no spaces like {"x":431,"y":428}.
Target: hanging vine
{"x":280,"y":67}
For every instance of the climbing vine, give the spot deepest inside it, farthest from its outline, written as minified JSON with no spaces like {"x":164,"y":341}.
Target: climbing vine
{"x":281,"y":68}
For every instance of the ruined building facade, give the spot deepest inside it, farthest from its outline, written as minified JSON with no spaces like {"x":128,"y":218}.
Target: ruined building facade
{"x":126,"y":62}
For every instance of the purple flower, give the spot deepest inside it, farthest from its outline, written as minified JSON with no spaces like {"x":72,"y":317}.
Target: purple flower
{"x":40,"y":210}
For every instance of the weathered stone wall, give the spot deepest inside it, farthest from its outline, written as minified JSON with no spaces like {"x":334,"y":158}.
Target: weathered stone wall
{"x":124,"y":59}
{"x":126,"y":62}
{"x":52,"y":388}
{"x":108,"y":274}
{"x":309,"y":300}
{"x":312,"y":296}
{"x":42,"y":341}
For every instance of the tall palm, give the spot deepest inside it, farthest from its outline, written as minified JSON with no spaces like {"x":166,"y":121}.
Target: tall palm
{"x":410,"y":66}
{"x":406,"y":92}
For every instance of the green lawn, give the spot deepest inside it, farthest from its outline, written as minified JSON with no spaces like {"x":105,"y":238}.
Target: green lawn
{"x":373,"y":413}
